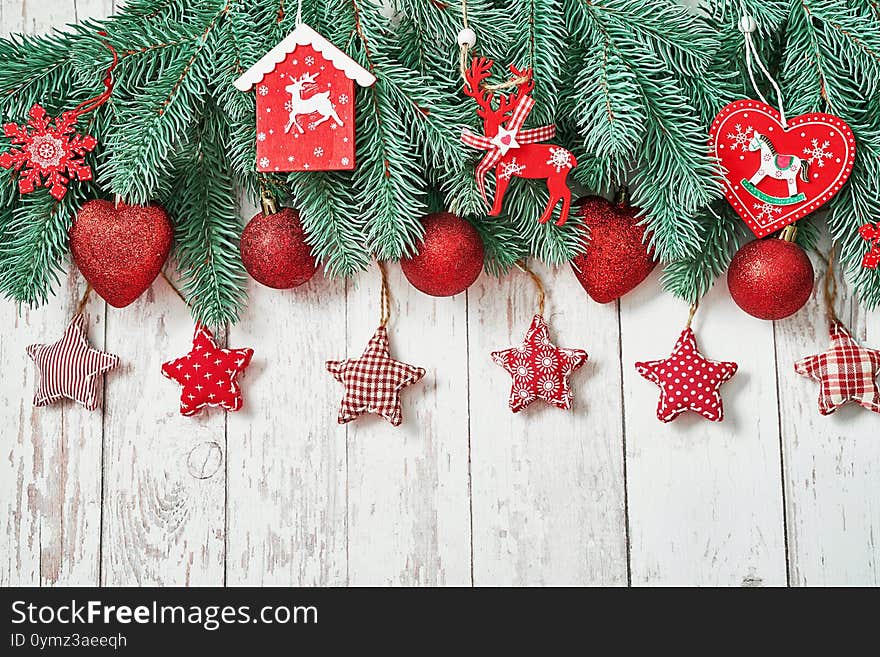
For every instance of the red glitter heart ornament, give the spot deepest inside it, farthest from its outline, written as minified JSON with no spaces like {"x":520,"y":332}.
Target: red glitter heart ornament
{"x":616,"y":259}
{"x":120,"y":250}
{"x":775,"y":175}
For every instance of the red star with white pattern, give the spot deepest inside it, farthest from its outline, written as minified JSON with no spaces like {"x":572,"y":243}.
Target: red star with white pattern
{"x":207,"y":374}
{"x":373,"y":382}
{"x":539,"y":369}
{"x":688,"y":382}
{"x":846,"y":372}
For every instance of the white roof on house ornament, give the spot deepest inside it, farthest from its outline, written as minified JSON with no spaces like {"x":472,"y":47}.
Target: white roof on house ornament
{"x":303,"y":35}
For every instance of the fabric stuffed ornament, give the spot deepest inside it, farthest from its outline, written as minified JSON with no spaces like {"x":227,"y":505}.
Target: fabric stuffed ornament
{"x":688,"y":381}
{"x":846,"y":372}
{"x":539,"y":369}
{"x":71,"y":367}
{"x":207,"y":374}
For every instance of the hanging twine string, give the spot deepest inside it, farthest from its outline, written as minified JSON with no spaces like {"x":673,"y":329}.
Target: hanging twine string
{"x":831,"y":289}
{"x":522,"y":266}
{"x":174,"y":287}
{"x":100,"y":99}
{"x":385,"y":299}
{"x":464,"y":57}
{"x":81,"y":306}
{"x":747,"y":26}
{"x":693,"y":311}
{"x":299,"y":12}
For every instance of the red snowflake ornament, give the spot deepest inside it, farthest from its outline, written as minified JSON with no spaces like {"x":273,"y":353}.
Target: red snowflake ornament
{"x":373,"y":382}
{"x":846,"y":372}
{"x":50,"y":155}
{"x":687,"y":381}
{"x":539,"y":369}
{"x":207,"y":374}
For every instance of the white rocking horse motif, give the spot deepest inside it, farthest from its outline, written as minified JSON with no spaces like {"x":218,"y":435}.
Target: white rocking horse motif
{"x":781,"y":167}
{"x":317,"y":104}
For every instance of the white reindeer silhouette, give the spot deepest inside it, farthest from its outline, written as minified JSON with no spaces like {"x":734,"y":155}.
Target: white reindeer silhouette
{"x":317,"y":104}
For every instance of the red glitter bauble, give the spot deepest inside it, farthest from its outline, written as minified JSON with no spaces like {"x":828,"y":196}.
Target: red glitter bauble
{"x":770,"y":278}
{"x":120,"y":249}
{"x":449,"y":259}
{"x":616,"y":259}
{"x":274,"y":250}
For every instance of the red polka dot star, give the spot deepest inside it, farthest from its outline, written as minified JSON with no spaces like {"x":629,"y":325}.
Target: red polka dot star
{"x":207,"y":374}
{"x":687,"y":381}
{"x":539,"y":369}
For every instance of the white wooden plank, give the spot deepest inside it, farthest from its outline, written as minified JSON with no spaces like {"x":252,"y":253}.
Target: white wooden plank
{"x":51,"y":476}
{"x":164,"y":511}
{"x":286,"y":474}
{"x":705,"y":499}
{"x":408,"y":515}
{"x":548,"y":485}
{"x":832,"y":463}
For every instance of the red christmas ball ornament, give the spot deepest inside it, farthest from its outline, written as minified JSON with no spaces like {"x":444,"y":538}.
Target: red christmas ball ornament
{"x":449,"y":259}
{"x":770,"y":278}
{"x":120,"y":249}
{"x":274,"y":250}
{"x":616,"y":259}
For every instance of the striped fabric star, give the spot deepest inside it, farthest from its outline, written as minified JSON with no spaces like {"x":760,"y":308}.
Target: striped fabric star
{"x":373,"y":382}
{"x":70,"y":368}
{"x":539,"y":369}
{"x":846,"y":372}
{"x":207,"y":374}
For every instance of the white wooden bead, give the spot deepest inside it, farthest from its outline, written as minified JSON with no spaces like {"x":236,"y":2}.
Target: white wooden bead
{"x":467,"y":37}
{"x":747,"y":25}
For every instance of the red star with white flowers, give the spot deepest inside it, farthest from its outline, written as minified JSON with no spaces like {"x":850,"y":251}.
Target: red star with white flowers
{"x":539,"y":369}
{"x":373,"y":382}
{"x":688,"y":382}
{"x":207,"y":374}
{"x":50,"y":156}
{"x":846,"y":372}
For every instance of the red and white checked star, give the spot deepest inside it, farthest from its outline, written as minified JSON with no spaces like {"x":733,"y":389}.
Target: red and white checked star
{"x":373,"y":382}
{"x":539,"y":369}
{"x":207,"y":374}
{"x":846,"y":372}
{"x":688,"y":382}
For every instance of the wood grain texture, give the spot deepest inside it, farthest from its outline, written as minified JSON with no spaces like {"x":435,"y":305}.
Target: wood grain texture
{"x":832,"y":463}
{"x":705,"y":499}
{"x":164,"y":517}
{"x":464,"y":492}
{"x":286,"y":466}
{"x":408,"y":510}
{"x":548,"y":486}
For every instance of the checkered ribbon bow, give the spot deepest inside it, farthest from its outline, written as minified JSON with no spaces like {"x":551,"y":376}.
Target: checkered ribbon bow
{"x":515,"y":136}
{"x":872,"y":234}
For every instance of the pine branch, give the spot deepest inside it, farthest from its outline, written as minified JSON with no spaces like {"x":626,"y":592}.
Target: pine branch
{"x":202,"y":203}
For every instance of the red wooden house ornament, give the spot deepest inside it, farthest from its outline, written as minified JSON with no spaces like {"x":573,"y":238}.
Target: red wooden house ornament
{"x":305,"y":104}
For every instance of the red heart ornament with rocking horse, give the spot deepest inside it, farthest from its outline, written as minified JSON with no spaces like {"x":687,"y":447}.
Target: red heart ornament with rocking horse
{"x":775,"y":175}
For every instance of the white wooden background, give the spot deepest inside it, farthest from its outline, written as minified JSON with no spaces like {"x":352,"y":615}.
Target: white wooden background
{"x":464,"y":492}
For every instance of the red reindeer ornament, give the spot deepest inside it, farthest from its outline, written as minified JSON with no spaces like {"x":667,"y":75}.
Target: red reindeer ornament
{"x":512,"y":151}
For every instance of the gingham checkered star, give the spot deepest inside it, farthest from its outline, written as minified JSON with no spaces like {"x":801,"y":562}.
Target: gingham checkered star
{"x":539,"y":369}
{"x":373,"y":382}
{"x":687,"y":381}
{"x":846,"y":372}
{"x":207,"y":374}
